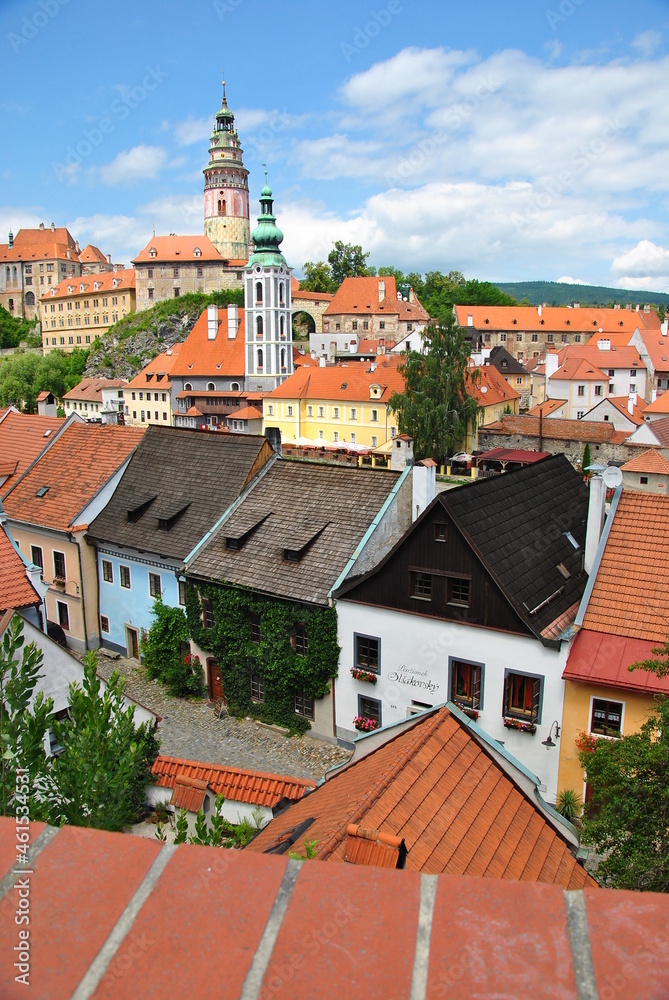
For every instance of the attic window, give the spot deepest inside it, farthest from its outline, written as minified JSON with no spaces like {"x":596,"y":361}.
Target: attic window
{"x":168,"y":518}
{"x":134,"y":513}
{"x":515,"y":321}
{"x":301,"y":541}
{"x":238,"y":540}
{"x":42,"y":491}
{"x":149,"y":376}
{"x":568,"y":322}
{"x":153,"y":252}
{"x":344,"y":385}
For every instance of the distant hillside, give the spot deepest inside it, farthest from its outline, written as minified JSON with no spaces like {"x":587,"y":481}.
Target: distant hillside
{"x":555,"y":293}
{"x":132,"y":342}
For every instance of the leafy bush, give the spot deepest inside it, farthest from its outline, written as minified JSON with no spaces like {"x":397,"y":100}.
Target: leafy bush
{"x":164,"y":659}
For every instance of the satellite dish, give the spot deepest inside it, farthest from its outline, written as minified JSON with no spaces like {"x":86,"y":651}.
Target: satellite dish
{"x":612,"y":477}
{"x":484,"y":388}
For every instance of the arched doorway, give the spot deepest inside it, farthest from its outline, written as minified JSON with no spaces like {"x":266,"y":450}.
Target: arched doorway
{"x":303,"y":324}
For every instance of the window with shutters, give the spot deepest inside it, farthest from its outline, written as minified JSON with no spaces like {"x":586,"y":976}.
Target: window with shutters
{"x":466,"y":685}
{"x":522,"y":697}
{"x":207,"y":613}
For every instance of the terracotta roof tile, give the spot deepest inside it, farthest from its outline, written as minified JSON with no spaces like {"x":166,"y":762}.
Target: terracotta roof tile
{"x":660,"y":405}
{"x":22,"y":438}
{"x":41,"y":244}
{"x":89,"y":284}
{"x":237,"y":784}
{"x":360,"y":296}
{"x":554,"y":428}
{"x":342,"y":381}
{"x":74,"y":468}
{"x":436,"y":787}
{"x":631,"y":591}
{"x":179,"y":248}
{"x":579,"y":370}
{"x":619,"y":356}
{"x":16,"y":590}
{"x":160,"y":365}
{"x":490,"y":387}
{"x":90,"y":389}
{"x":221,"y":356}
{"x":546,"y":408}
{"x":92,"y":254}
{"x":188,"y":793}
{"x":648,"y":461}
{"x":246,"y":413}
{"x":555,"y":319}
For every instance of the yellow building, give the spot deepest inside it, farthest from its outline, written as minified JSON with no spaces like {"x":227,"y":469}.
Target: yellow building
{"x":494,"y":396}
{"x":78,"y":309}
{"x":147,"y":398}
{"x":343,"y":404}
{"x":625,"y":618}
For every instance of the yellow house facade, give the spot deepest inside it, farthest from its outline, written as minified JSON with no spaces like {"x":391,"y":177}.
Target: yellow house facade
{"x":80,"y":308}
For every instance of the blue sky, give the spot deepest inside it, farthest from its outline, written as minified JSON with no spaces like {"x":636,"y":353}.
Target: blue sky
{"x":512,"y":141}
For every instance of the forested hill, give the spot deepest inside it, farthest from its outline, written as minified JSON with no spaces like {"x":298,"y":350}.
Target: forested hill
{"x":555,"y":293}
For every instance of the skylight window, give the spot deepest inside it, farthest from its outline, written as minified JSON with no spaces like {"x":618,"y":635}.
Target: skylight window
{"x":42,"y":491}
{"x":570,"y":538}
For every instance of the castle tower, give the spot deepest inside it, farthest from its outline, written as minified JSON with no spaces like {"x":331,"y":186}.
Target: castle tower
{"x":226,"y":189}
{"x":269,"y":338}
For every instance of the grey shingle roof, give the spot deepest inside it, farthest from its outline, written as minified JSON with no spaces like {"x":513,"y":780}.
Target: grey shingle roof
{"x":301,"y":498}
{"x":185,"y":480}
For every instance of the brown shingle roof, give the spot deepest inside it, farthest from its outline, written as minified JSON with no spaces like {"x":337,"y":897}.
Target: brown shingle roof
{"x":456,"y":809}
{"x":235,"y":783}
{"x":76,"y":466}
{"x":296,"y":498}
{"x":631,"y":592}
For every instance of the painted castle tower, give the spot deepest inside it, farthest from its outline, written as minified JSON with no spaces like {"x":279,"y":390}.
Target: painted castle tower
{"x":269,"y":339}
{"x":226,"y":189}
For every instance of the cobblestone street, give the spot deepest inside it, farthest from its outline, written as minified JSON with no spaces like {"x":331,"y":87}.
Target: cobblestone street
{"x":190,"y":729}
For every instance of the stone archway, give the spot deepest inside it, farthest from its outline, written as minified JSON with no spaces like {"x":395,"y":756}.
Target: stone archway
{"x":303,"y":324}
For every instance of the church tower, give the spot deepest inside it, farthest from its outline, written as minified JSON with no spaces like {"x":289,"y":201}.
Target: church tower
{"x":226,"y":189}
{"x":269,"y":338}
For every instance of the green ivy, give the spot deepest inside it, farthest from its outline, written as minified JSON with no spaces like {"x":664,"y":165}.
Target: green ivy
{"x":282,"y":670}
{"x":164,"y":659}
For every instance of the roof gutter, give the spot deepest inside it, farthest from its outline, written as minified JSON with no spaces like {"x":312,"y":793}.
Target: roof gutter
{"x":370,"y":530}
{"x":590,"y":586}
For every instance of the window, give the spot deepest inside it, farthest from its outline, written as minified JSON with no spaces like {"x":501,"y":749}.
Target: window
{"x":598,"y":390}
{"x":124,"y":576}
{"x":375,"y":416}
{"x":580,"y":390}
{"x":154,"y":585}
{"x":366,"y":651}
{"x":564,"y":338}
{"x":207,"y":613}
{"x":352,"y":438}
{"x":382,"y":324}
{"x":289,"y":410}
{"x":254,"y":625}
{"x":535,"y":338}
{"x":580,"y":414}
{"x":257,"y":688}
{"x":374,"y":441}
{"x":549,"y":338}
{"x":310,"y":411}
{"x":107,"y":571}
{"x":335,"y":413}
{"x":440,"y":532}
{"x":304,"y":705}
{"x":612,"y":372}
{"x":633,"y":373}
{"x":519,"y":337}
{"x":354,"y":325}
{"x":335,"y":437}
{"x":632,"y":386}
{"x":354,"y":413}
{"x":577,"y":338}
{"x":36,"y":556}
{"x":421,"y":585}
{"x":104,"y":623}
{"x":59,"y":565}
{"x":270,"y":410}
{"x":177,"y":293}
{"x":63,"y":614}
{"x":458,"y":592}
{"x":522,"y":696}
{"x":466,"y":683}
{"x":643,"y":480}
{"x":606,"y":718}
{"x":301,"y":641}
{"x":149,"y":292}
{"x":519,"y":380}
{"x":182,"y":593}
{"x":369,"y":708}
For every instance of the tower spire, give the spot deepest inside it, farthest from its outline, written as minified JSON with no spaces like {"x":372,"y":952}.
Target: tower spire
{"x":226,"y":190}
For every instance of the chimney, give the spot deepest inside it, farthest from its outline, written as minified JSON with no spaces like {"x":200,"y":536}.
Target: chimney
{"x":423,"y":486}
{"x":604,"y":345}
{"x":653,"y":395}
{"x":76,"y":246}
{"x":212,"y":322}
{"x":412,"y":297}
{"x":382,"y":289}
{"x":11,"y":239}
{"x":595,"y":522}
{"x":321,"y":361}
{"x":109,"y":258}
{"x":631,"y":402}
{"x":539,"y":310}
{"x":53,"y":227}
{"x":401,"y":454}
{"x":233,"y":321}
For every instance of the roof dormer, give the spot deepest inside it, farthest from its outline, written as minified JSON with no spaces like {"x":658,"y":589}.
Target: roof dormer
{"x":153,"y":252}
{"x":375,"y":391}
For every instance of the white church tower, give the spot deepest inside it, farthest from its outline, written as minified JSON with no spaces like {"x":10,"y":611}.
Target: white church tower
{"x":269,"y":339}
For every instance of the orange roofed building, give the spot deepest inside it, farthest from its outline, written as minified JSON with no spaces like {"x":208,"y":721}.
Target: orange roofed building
{"x":23,"y":437}
{"x":147,"y":398}
{"x":373,"y":307}
{"x":79,"y":309}
{"x":171,"y":266}
{"x":48,"y":510}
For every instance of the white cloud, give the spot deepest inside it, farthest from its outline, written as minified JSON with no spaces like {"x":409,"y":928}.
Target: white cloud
{"x":647,"y":43}
{"x":139,"y":163}
{"x":567,"y":280}
{"x":192,"y":130}
{"x":645,"y":266}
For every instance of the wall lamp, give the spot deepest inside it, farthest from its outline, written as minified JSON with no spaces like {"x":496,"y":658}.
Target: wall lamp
{"x":548,"y":742}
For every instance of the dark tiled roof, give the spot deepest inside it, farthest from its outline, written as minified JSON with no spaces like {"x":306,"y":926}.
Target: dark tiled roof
{"x":505,"y":362}
{"x":295,"y":500}
{"x":517,"y":524}
{"x":272,"y":927}
{"x":457,"y":811}
{"x":188,"y":479}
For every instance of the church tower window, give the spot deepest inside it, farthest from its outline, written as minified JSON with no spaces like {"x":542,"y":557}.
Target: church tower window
{"x":258,"y":293}
{"x":259,"y":326}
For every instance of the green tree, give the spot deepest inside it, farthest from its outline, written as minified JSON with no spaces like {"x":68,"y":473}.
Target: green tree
{"x":24,"y":375}
{"x":164,"y":659}
{"x":435,"y":407}
{"x":586,"y":461}
{"x":348,"y":261}
{"x":317,"y":277}
{"x":99,"y":778}
{"x":628,"y":818}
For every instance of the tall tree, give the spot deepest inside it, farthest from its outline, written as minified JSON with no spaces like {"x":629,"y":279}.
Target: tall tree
{"x":317,"y":277}
{"x":348,"y":261}
{"x":435,"y":408}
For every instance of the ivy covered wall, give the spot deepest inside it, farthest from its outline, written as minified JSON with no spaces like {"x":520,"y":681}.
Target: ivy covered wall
{"x":274,"y":657}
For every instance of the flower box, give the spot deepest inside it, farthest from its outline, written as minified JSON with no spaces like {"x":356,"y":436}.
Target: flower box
{"x":364,"y":724}
{"x":522,"y":727}
{"x":59,"y":581}
{"x":363,"y":675}
{"x":468,"y":710}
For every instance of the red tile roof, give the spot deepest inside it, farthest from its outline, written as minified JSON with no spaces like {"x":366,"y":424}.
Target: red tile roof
{"x":75,"y":467}
{"x":189,"y":793}
{"x":630,"y":596}
{"x":222,"y":356}
{"x":620,"y":355}
{"x":284,"y":930}
{"x":22,"y":438}
{"x":579,"y":370}
{"x":490,"y":388}
{"x":246,"y":413}
{"x":92,"y":254}
{"x":648,"y":461}
{"x":234,"y":783}
{"x":555,"y":319}
{"x":88,"y":284}
{"x":603,"y":658}
{"x":437,"y":788}
{"x":179,"y":248}
{"x":160,"y":365}
{"x":360,"y":296}
{"x":41,"y":244}
{"x":371,"y":848}
{"x":657,"y":346}
{"x":350,"y":381}
{"x":546,"y":408}
{"x":90,"y":389}
{"x":16,"y":590}
{"x":555,"y":428}
{"x":660,"y":405}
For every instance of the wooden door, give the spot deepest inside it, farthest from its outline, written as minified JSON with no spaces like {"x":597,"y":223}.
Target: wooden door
{"x":216,"y":692}
{"x":132,"y":641}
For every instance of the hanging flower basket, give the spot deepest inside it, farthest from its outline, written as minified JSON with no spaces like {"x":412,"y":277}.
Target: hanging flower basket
{"x":363,"y":675}
{"x":522,"y":727}
{"x":365,"y":725}
{"x":468,"y":710}
{"x":585,"y":742}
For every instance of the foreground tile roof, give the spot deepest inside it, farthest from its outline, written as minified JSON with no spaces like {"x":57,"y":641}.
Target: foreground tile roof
{"x":660,"y":405}
{"x":321,"y":510}
{"x":156,"y":375}
{"x":603,"y":658}
{"x":22,"y":438}
{"x":90,"y":389}
{"x":439,"y":789}
{"x":235,"y":783}
{"x":139,"y":912}
{"x":16,"y":590}
{"x":178,"y":483}
{"x":75,"y":467}
{"x":631,"y":592}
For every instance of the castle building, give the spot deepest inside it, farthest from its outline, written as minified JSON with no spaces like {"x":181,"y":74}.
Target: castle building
{"x":226,"y":189}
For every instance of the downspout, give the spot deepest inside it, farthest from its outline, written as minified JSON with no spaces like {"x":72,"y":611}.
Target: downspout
{"x":81,"y":584}
{"x":541,"y":429}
